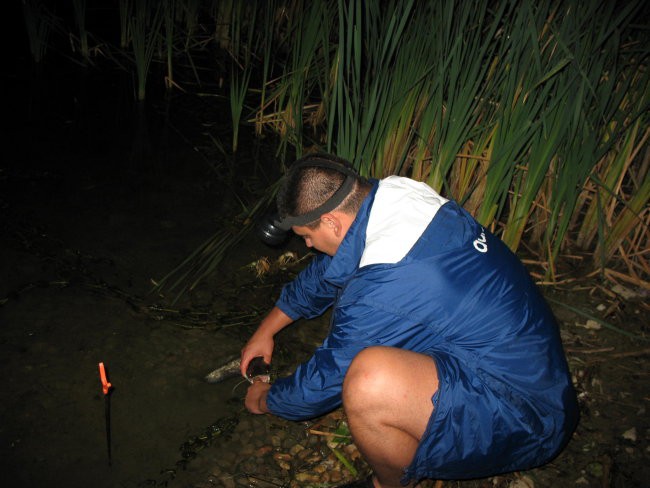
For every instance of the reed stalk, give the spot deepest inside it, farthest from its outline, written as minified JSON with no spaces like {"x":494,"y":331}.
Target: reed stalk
{"x":79,"y":7}
{"x":144,"y":27}
{"x":265,"y":47}
{"x":169,"y":18}
{"x":39,"y":22}
{"x":124,"y":7}
{"x":188,"y":12}
{"x":305,"y":73}
{"x":243,"y":26}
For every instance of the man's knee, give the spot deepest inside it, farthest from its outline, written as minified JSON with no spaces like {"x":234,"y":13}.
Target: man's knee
{"x":367,"y":377}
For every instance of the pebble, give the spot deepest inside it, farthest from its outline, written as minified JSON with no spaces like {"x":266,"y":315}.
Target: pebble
{"x":263,"y":450}
{"x":226,"y":481}
{"x":280,"y":456}
{"x":630,"y":434}
{"x":336,"y":476}
{"x":295,"y":449}
{"x":523,"y":482}
{"x":304,"y":453}
{"x":595,"y":469}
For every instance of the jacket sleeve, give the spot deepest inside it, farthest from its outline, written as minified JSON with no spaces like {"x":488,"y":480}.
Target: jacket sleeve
{"x":308,"y":295}
{"x":315,"y":387}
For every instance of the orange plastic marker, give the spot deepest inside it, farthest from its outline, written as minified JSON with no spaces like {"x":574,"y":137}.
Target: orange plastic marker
{"x":106,"y":387}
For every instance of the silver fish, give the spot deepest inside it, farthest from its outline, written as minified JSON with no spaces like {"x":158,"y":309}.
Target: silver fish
{"x":258,"y":370}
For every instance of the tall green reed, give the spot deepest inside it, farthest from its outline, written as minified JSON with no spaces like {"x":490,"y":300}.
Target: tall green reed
{"x":168,"y":24}
{"x":243,"y":24}
{"x":79,"y":7}
{"x":294,"y":96}
{"x":532,"y":114}
{"x":124,"y":8}
{"x":493,"y":103}
{"x":367,"y":107}
{"x":592,"y":37}
{"x":531,"y":121}
{"x":39,"y":22}
{"x":144,"y":27}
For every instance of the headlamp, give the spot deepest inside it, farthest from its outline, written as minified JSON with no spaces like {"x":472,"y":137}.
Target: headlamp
{"x":274,"y":230}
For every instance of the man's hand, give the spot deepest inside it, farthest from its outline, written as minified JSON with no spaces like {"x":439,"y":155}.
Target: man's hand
{"x":258,"y":345}
{"x":256,"y":397}
{"x":261,"y":343}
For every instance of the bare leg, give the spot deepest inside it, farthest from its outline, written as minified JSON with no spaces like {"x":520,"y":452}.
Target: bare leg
{"x":387,"y":399}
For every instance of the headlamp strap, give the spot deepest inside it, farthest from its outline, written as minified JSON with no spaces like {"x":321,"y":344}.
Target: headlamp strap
{"x":334,"y":201}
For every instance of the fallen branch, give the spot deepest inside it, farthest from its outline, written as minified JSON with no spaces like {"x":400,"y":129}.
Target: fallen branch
{"x":588,"y":351}
{"x":602,"y":322}
{"x":329,"y":434}
{"x":628,"y":354}
{"x":630,"y":279}
{"x":619,"y":355}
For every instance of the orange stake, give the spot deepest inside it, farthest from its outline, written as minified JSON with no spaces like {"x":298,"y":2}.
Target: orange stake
{"x":106,"y":388}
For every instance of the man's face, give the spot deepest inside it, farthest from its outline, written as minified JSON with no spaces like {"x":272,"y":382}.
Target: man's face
{"x":323,"y":238}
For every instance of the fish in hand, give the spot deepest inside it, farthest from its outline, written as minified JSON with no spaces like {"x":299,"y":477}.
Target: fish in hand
{"x":257,"y":370}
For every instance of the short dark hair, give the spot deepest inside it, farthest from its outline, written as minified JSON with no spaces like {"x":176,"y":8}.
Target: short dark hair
{"x":307,"y":187}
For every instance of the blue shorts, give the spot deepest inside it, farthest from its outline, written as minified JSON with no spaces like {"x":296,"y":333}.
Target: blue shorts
{"x":481,"y":426}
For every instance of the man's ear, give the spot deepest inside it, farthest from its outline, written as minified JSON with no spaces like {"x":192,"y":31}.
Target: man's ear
{"x":332,"y":222}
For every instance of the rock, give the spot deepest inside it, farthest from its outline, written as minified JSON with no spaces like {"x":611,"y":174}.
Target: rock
{"x":523,"y":482}
{"x":590,"y":325}
{"x":625,"y":292}
{"x":595,"y":469}
{"x":295,"y":449}
{"x":263,"y":451}
{"x":282,"y":456}
{"x":630,"y":434}
{"x":336,"y":476}
{"x":302,"y":455}
{"x":306,"y":478}
{"x":227,"y":481}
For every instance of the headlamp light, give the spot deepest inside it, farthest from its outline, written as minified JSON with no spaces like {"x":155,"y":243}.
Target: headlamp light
{"x":269,"y":232}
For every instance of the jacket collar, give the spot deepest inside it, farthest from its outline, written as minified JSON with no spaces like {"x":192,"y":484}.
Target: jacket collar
{"x":345,"y":262}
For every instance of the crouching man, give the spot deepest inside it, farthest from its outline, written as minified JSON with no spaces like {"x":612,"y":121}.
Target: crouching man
{"x":443,"y":353}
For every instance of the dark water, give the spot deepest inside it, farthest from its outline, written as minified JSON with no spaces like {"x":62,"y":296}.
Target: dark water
{"x":98,"y":197}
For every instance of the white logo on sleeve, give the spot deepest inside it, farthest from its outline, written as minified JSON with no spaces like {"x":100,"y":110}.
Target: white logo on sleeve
{"x":480,"y":244}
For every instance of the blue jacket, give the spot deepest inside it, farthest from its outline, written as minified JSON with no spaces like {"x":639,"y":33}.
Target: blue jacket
{"x":416,"y":271}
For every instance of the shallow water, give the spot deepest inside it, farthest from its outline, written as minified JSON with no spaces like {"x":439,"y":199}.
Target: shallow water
{"x":97,"y":201}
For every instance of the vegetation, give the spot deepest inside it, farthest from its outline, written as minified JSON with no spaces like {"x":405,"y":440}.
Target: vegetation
{"x":532,"y":114}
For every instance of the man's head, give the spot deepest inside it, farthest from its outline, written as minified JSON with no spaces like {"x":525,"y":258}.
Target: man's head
{"x":320,"y":197}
